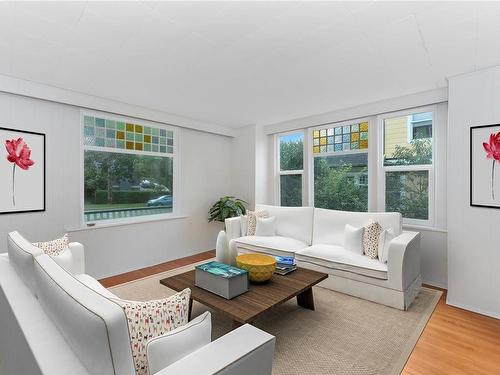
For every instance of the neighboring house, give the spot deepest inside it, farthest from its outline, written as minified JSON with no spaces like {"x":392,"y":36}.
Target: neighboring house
{"x":404,"y":129}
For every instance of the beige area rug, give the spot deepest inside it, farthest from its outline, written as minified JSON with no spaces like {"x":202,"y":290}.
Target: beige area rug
{"x":345,"y":335}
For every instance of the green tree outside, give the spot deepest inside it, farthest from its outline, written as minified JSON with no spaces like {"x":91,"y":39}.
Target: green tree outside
{"x":103,"y":171}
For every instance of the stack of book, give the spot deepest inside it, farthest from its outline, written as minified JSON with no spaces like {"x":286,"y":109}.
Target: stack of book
{"x":285,"y":265}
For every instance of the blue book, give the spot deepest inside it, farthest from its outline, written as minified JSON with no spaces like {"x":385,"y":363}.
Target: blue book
{"x":221,"y":269}
{"x":222,"y":279}
{"x":285,"y":261}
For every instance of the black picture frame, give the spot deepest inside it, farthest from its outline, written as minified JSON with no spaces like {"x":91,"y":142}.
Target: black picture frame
{"x":472,"y":129}
{"x":44,"y":153}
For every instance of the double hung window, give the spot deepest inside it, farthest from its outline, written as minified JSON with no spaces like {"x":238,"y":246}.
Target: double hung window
{"x":291,"y":167}
{"x":407,"y":165}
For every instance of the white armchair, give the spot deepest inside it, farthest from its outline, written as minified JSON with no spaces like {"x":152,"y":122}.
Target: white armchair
{"x":189,"y":350}
{"x":244,"y":351}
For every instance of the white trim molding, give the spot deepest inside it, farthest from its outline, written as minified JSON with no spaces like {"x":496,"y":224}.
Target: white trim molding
{"x":364,"y":110}
{"x":30,"y":89}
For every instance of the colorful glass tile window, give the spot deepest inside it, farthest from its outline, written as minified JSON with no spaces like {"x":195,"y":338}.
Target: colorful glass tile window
{"x":110,"y":133}
{"x":341,"y":138}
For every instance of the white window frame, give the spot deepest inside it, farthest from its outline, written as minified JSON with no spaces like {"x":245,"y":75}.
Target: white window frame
{"x":369,"y":151}
{"x":382,"y":170}
{"x":175,"y":166}
{"x":278,"y":172}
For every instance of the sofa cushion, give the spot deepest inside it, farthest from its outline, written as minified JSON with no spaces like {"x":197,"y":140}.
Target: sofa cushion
{"x":266,"y":226}
{"x":167,"y":349}
{"x":252,"y":221}
{"x":384,"y":241}
{"x":53,"y":247}
{"x":28,"y":338}
{"x":353,"y":239}
{"x":275,"y":245}
{"x":292,"y":222}
{"x":150,"y":319}
{"x":371,"y":234}
{"x":21,"y":256}
{"x":67,"y":261}
{"x":94,"y":326}
{"x":329,"y":225}
{"x":336,"y":257}
{"x":95,"y":285}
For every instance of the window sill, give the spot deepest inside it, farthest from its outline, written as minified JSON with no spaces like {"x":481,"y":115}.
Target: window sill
{"x":424,"y":228}
{"x":119,"y":223}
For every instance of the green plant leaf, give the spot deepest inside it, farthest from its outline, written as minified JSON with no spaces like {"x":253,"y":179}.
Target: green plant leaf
{"x":225,"y":207}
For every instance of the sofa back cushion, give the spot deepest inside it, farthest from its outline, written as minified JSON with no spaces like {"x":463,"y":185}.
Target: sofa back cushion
{"x":21,"y":255}
{"x":329,"y":225}
{"x":293,"y":222}
{"x":94,"y":327}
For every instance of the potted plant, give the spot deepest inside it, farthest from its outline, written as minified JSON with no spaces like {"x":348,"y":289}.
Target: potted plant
{"x":227,"y":207}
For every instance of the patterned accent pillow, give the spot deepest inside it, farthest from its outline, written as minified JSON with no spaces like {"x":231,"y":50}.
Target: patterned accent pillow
{"x":370,"y":238}
{"x":150,"y":319}
{"x":252,"y":220}
{"x":54,"y":247}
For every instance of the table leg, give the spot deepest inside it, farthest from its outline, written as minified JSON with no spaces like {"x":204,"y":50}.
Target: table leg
{"x":190,"y":309}
{"x":306,"y":299}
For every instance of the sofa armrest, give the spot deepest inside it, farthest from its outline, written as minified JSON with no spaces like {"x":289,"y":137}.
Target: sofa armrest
{"x":244,"y":351}
{"x":78,"y":252}
{"x":403,"y":264}
{"x":233,"y":228}
{"x":166,"y":349}
{"x":72,"y":259}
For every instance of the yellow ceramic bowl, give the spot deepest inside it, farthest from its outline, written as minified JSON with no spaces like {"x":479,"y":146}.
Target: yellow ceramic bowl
{"x":260,"y":267}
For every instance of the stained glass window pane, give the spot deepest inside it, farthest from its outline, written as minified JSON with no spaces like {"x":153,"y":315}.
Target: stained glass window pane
{"x":110,"y":133}
{"x":341,"y":138}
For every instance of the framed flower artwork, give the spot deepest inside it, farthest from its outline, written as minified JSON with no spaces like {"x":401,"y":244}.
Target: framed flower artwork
{"x":22,"y":171}
{"x":485,"y":166}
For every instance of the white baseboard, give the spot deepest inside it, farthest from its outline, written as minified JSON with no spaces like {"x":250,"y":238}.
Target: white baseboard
{"x":473,"y":309}
{"x":435,"y":283}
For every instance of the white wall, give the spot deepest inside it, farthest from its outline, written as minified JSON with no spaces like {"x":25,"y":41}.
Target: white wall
{"x":242,"y":163}
{"x":473,"y":246}
{"x":264,"y":187}
{"x":204,"y":177}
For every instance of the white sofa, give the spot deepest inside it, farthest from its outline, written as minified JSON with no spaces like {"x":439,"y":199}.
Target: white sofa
{"x":315,"y":237}
{"x":54,"y":322}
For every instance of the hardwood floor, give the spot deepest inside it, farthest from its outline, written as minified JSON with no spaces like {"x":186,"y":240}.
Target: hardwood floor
{"x":162,"y":267}
{"x":455,"y":341}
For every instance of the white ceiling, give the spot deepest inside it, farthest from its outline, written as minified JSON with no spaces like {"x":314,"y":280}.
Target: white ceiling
{"x":238,"y":63}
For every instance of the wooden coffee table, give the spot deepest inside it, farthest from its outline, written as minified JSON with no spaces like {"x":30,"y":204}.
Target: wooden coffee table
{"x":246,"y":307}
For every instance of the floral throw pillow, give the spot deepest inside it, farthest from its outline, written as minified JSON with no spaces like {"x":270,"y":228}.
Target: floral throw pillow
{"x":54,"y":247}
{"x":150,"y":319}
{"x":371,"y":235}
{"x":252,"y":220}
